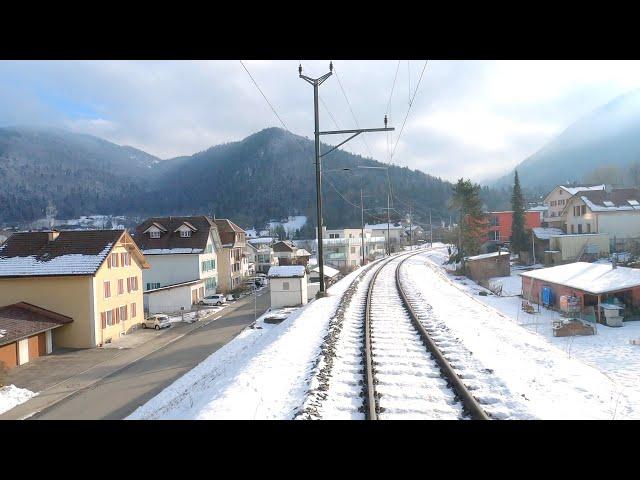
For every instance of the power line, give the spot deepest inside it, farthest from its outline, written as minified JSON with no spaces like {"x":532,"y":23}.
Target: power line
{"x":409,"y":109}
{"x":264,"y":96}
{"x":351,"y":109}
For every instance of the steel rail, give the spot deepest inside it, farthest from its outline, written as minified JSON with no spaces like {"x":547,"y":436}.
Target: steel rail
{"x":469,"y":402}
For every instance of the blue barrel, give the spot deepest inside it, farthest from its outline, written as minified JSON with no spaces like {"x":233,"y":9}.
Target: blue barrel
{"x":547,"y":296}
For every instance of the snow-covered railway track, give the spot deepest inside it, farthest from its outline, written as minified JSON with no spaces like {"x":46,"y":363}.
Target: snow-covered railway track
{"x":403,"y":378}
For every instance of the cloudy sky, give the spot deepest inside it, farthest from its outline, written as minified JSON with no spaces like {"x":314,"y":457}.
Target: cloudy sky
{"x":471,"y":118}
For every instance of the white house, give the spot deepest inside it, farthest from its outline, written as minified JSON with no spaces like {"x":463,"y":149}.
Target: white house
{"x":180,"y":249}
{"x":614,"y":211}
{"x":394,"y":234}
{"x":288,"y":286}
{"x":173,"y":298}
{"x":556,"y":201}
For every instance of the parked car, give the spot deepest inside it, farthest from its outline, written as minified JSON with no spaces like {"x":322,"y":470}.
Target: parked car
{"x":216,"y":299}
{"x":156,"y":321}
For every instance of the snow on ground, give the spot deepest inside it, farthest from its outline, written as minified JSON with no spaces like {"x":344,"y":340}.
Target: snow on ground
{"x":292,"y":224}
{"x":11,"y":396}
{"x":263,"y":373}
{"x":562,"y":377}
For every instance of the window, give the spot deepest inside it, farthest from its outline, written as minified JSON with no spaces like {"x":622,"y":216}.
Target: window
{"x":120,"y":286}
{"x":573,"y":230}
{"x":285,"y":285}
{"x":114,"y":260}
{"x":579,"y":228}
{"x":588,"y":228}
{"x":334,"y":235}
{"x":185,"y":233}
{"x":209,"y":249}
{"x":132,"y":284}
{"x":107,"y":289}
{"x":133,"y":310}
{"x":151,"y":286}
{"x":125,"y":259}
{"x":123,"y":313}
{"x":154,"y":234}
{"x":353,"y":249}
{"x":110,"y":320}
{"x":583,"y":209}
{"x":210,"y":284}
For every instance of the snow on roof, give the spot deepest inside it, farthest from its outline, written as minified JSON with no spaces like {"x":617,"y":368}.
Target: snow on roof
{"x":287,"y":271}
{"x":301,"y":252}
{"x":328,"y":271}
{"x":574,"y":190}
{"x":538,"y":208}
{"x":609,"y":206}
{"x":170,"y":251}
{"x":589,"y":277}
{"x":487,"y":255}
{"x":545,"y":233}
{"x":383,"y":226}
{"x":261,"y":240}
{"x":70,"y":264}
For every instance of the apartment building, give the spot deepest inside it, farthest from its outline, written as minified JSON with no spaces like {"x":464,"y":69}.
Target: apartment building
{"x":230,"y":264}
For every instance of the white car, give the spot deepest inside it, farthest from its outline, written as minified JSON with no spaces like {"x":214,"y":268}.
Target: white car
{"x":217,"y":299}
{"x":157,"y":322}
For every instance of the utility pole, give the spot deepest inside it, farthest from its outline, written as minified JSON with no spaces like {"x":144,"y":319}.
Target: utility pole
{"x":388,"y":229}
{"x":410,"y":229}
{"x":362,"y":225}
{"x":316,"y":82}
{"x":430,"y":229}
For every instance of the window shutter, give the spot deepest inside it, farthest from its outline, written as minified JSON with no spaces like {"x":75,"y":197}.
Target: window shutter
{"x":117,"y":315}
{"x":109,"y":261}
{"x":133,"y":310}
{"x":103,"y":317}
{"x":126,"y":312}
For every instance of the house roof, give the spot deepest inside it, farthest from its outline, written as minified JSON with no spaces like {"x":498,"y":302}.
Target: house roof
{"x":174,"y":285}
{"x":618,"y":199}
{"x":73,"y":252}
{"x":287,"y":271}
{"x":545,"y":233}
{"x":593,"y":278}
{"x":383,"y":226}
{"x":170,"y":241}
{"x":227,"y":230}
{"x":283,"y":246}
{"x":259,"y":240}
{"x":581,"y":188}
{"x":487,"y":255}
{"x":22,"y":319}
{"x":301,"y":252}
{"x":328,"y":271}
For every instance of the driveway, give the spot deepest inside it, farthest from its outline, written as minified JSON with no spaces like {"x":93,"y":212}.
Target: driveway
{"x":127,"y":378}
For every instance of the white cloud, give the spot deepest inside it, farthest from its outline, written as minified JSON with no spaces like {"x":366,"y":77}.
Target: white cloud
{"x":471,"y":118}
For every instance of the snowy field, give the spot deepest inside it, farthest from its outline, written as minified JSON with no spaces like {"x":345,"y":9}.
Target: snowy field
{"x":562,"y":377}
{"x":11,"y":396}
{"x":264,"y":373}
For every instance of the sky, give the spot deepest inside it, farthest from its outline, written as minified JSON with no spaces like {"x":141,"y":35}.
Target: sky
{"x":476,"y":119}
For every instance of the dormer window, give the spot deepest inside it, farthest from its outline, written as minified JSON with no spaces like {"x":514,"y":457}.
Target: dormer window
{"x":185,"y":233}
{"x":154,"y":234}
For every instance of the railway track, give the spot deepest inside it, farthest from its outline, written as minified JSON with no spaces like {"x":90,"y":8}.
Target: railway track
{"x":406,"y":375}
{"x":379,"y":362}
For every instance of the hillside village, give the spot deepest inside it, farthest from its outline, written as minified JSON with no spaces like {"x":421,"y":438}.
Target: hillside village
{"x":215,"y":286}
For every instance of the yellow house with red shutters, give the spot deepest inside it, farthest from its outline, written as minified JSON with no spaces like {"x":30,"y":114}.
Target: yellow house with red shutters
{"x":92,"y":276}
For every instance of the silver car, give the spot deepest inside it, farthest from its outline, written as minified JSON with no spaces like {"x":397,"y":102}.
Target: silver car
{"x":157,"y":322}
{"x":216,"y":299}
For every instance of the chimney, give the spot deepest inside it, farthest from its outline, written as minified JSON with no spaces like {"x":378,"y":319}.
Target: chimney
{"x":53,"y":234}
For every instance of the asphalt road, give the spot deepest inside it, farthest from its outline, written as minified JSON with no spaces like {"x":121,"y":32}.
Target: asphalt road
{"x":119,"y":394}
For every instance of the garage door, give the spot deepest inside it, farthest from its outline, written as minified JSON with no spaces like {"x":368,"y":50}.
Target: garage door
{"x":9,"y":355}
{"x":34,"y":347}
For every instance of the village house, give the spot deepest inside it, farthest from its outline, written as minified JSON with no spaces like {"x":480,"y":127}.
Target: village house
{"x":26,"y":332}
{"x":599,"y":288}
{"x":393,"y":233}
{"x":93,"y":277}
{"x":230,"y":265}
{"x":250,"y":258}
{"x":179,"y":250}
{"x":498,"y":229}
{"x":556,"y":201}
{"x":264,"y":256}
{"x":482,"y":267}
{"x":288,"y":286}
{"x":289,"y":254}
{"x":615,"y":211}
{"x":343,"y":247}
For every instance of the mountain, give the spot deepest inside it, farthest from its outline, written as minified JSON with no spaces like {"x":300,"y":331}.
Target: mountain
{"x":608,"y":136}
{"x":271,"y":174}
{"x":78,"y":173}
{"x":268,"y":175}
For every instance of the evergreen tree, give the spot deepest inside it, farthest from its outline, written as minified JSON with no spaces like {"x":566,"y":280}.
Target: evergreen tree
{"x":518,"y":235}
{"x":472,"y":220}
